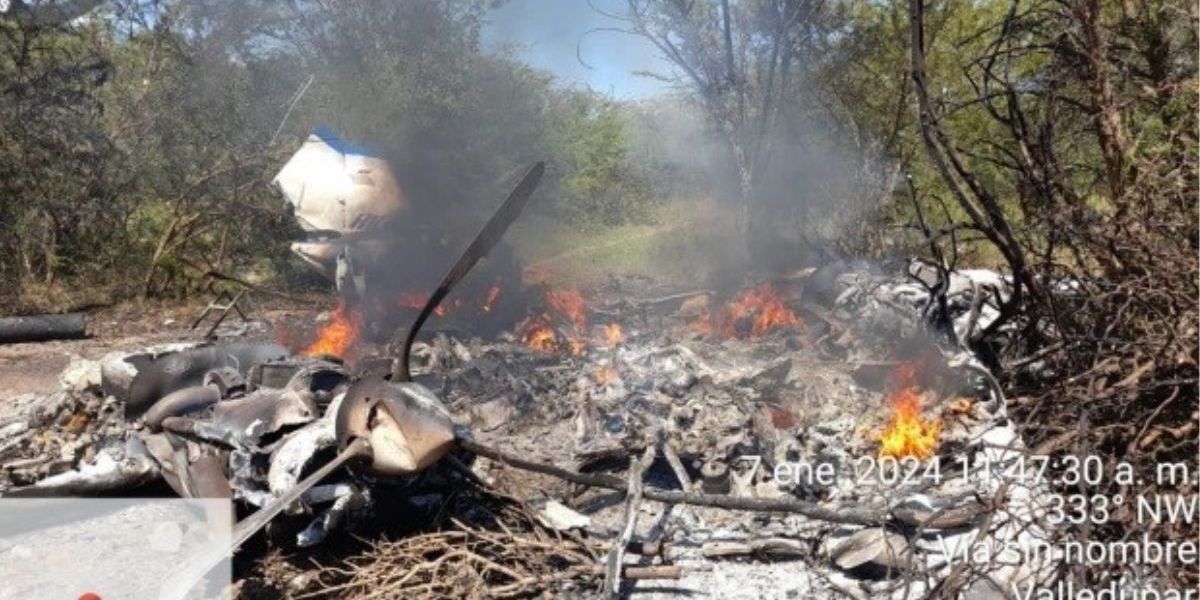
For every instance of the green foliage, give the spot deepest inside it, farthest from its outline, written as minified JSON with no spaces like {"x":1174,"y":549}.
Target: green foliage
{"x":53,"y":176}
{"x":137,"y":144}
{"x":868,"y":80}
{"x":597,"y":184}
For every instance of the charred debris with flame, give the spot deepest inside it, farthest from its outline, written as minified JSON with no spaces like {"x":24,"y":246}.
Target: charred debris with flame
{"x":605,"y":345}
{"x":694,"y":398}
{"x":701,"y":382}
{"x":717,"y":397}
{"x":559,"y":321}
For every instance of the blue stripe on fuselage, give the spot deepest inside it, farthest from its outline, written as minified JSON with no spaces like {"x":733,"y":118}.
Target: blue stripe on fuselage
{"x":337,"y":143}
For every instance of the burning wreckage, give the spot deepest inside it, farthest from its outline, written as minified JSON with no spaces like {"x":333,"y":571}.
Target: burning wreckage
{"x":341,"y":195}
{"x":607,"y":443}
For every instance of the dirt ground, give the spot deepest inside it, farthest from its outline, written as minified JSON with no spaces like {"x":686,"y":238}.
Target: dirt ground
{"x":35,"y":367}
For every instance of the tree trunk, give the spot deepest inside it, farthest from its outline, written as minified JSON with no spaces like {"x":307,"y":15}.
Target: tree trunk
{"x":159,"y":249}
{"x":49,"y":247}
{"x":1110,"y":126}
{"x":746,"y":209}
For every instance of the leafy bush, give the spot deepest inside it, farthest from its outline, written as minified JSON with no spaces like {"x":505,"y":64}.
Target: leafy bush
{"x":595,"y":182}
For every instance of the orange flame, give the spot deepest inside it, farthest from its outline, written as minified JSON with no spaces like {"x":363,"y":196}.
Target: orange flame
{"x":537,"y":334}
{"x":908,"y":434}
{"x":767,"y":307}
{"x":413,"y":301}
{"x":338,"y":335}
{"x":490,"y":300}
{"x":417,"y":302}
{"x":762,"y":305}
{"x":571,"y":304}
{"x":613,"y":334}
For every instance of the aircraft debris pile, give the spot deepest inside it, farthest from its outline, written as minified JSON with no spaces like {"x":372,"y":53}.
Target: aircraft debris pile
{"x":689,"y":436}
{"x":786,"y":426}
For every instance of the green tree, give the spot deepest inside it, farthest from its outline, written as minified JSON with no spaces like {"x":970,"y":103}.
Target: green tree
{"x":54,"y":169}
{"x":596,"y":183}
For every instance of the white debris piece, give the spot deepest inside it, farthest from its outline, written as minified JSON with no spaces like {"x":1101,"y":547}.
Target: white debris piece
{"x":556,"y":515}
{"x":80,"y":376}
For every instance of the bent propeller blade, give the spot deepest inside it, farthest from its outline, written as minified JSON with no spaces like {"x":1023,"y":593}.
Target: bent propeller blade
{"x":484,"y":242}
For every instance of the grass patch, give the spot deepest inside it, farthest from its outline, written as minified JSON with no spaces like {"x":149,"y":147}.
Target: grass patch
{"x":685,"y":241}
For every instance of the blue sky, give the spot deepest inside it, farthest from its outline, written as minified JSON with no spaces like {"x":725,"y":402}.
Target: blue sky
{"x":546,"y":33}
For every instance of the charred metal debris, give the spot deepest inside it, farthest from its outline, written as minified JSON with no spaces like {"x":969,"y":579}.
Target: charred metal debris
{"x":688,"y":442}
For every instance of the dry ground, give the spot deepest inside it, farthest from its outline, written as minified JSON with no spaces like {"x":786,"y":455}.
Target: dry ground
{"x":35,"y":367}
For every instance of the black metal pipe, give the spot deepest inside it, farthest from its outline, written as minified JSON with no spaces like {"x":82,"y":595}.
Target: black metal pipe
{"x":40,"y":328}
